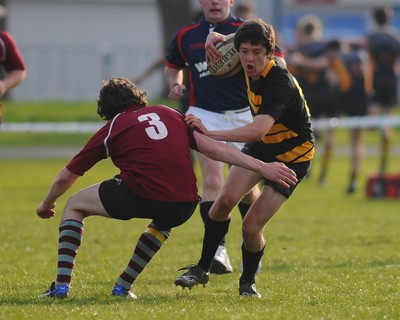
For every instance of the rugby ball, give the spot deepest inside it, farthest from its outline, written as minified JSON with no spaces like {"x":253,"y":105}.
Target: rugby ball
{"x":229,"y":64}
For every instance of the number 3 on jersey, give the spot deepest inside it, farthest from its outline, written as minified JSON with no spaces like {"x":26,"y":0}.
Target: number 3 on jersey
{"x":157,"y":129}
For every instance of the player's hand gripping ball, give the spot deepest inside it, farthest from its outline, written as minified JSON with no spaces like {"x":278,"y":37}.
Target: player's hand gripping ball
{"x":229,"y":64}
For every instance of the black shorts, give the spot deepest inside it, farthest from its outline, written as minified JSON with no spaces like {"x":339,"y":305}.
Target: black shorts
{"x":353,"y":103}
{"x":120,"y":203}
{"x":386,"y":97}
{"x":301,"y":169}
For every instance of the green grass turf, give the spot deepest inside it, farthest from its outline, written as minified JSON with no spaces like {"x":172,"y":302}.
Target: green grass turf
{"x":329,"y":256}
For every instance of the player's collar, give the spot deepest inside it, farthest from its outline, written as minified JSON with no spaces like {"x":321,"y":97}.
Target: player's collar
{"x":213,"y":25}
{"x":270,"y":64}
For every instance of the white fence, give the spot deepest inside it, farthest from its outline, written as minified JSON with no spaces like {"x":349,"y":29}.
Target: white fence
{"x":74,"y":73}
{"x":89,"y":127}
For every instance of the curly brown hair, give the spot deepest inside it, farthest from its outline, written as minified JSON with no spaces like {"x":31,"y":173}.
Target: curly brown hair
{"x":116,"y":95}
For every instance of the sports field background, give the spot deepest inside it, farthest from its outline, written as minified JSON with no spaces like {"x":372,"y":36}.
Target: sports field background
{"x":329,"y":255}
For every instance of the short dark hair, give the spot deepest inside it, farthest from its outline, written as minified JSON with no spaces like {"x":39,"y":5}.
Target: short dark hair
{"x":256,"y":31}
{"x":381,"y":15}
{"x":116,"y":95}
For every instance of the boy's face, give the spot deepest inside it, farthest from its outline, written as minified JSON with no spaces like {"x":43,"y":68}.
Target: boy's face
{"x":216,"y":11}
{"x":254,"y":59}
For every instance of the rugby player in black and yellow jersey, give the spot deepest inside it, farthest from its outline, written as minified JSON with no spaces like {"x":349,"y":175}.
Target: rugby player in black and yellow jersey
{"x":281,"y":131}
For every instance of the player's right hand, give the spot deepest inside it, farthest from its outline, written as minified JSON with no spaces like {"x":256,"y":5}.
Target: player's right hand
{"x":176,"y":91}
{"x":45,"y":211}
{"x":195,"y":123}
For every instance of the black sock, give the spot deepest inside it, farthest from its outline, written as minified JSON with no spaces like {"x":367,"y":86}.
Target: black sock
{"x":204,"y":210}
{"x":213,"y":233}
{"x":243,"y":208}
{"x":250,"y":264}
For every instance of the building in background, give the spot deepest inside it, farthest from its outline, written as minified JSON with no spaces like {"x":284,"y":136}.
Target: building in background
{"x":70,"y":46}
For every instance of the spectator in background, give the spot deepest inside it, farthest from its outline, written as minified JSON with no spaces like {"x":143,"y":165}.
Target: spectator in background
{"x":11,"y":61}
{"x":245,"y":10}
{"x":352,"y":101}
{"x":313,"y":61}
{"x":383,"y":46}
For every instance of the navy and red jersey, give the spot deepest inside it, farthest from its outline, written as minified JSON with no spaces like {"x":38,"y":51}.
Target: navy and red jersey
{"x":207,"y":92}
{"x":10,"y":57}
{"x":151,"y":147}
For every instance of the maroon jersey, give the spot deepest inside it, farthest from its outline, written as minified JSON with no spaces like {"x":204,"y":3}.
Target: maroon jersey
{"x":151,"y":147}
{"x":10,"y":56}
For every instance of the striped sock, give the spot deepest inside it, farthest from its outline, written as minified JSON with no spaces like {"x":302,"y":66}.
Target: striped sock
{"x":147,"y":246}
{"x":70,"y":237}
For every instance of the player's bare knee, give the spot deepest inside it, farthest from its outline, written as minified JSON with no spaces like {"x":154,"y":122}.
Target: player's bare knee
{"x":224,"y":205}
{"x":212,"y":182}
{"x":251,"y":231}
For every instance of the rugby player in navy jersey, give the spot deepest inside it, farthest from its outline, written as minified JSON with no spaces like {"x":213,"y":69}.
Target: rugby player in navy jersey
{"x":220,"y":102}
{"x":281,"y":131}
{"x":150,"y":145}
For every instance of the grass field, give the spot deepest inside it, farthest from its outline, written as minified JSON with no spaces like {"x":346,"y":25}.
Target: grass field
{"x":329,"y":255}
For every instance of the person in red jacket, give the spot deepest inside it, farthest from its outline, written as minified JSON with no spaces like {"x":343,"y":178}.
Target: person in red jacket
{"x":11,"y":61}
{"x":150,"y":145}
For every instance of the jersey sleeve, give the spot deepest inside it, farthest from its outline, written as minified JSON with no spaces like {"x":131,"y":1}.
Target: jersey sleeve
{"x":174,"y":57}
{"x":93,"y":152}
{"x":12,"y":59}
{"x":192,"y":140}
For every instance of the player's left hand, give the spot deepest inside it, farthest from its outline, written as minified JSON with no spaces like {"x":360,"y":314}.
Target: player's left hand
{"x":45,"y":211}
{"x":280,"y":173}
{"x":195,"y":123}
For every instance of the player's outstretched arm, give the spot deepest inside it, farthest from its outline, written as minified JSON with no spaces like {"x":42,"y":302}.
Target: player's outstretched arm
{"x":64,"y":180}
{"x":253,"y":131}
{"x":275,"y":171}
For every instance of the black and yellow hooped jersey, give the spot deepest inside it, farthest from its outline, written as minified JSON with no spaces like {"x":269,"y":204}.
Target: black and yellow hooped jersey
{"x":277,"y":93}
